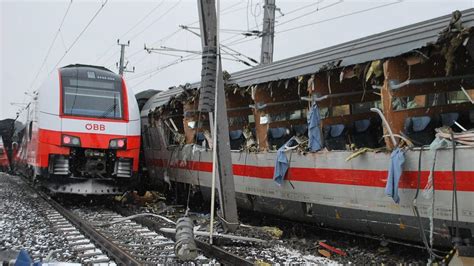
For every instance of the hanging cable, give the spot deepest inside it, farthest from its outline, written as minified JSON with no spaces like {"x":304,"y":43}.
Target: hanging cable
{"x":457,"y":239}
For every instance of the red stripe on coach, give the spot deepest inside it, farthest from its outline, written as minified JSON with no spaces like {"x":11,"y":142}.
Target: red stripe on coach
{"x":369,"y":178}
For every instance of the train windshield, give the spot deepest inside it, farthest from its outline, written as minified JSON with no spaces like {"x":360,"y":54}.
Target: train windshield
{"x":92,"y":97}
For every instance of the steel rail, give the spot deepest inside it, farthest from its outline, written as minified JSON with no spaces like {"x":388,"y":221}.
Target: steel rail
{"x":112,"y":250}
{"x":211,"y":251}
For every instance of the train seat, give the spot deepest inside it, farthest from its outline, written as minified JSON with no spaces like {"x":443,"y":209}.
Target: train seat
{"x":448,"y":119}
{"x":278,"y":136}
{"x":466,"y":119}
{"x":366,"y":133}
{"x":200,"y":138}
{"x":420,"y":129}
{"x":335,"y":137}
{"x":237,"y":139}
{"x":300,"y":130}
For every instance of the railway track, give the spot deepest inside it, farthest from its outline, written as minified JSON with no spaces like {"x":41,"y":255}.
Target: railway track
{"x":94,"y":235}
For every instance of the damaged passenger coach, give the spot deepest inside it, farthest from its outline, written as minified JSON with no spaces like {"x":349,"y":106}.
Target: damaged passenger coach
{"x":357,"y":136}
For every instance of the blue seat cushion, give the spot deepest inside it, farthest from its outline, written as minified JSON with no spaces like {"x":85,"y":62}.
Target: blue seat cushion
{"x":362,"y":125}
{"x":448,"y":118}
{"x":235,"y":134}
{"x":276,"y":133}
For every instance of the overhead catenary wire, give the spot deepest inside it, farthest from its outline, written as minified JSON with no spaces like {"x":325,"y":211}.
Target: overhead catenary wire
{"x":157,"y":70}
{"x":189,"y":24}
{"x":225,"y":47}
{"x":157,"y":19}
{"x":339,"y":17}
{"x":51,"y":45}
{"x":80,"y":34}
{"x":142,"y":31}
{"x":227,"y":10}
{"x":245,"y":39}
{"x":132,"y":28}
{"x":311,"y":12}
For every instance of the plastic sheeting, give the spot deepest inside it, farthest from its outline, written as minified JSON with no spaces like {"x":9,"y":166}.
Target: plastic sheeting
{"x":314,"y":132}
{"x":428,"y":191}
{"x":281,"y":162}
{"x":397,"y":158}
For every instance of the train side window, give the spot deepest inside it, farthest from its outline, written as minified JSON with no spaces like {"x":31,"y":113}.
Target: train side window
{"x":341,"y":110}
{"x":459,"y":96}
{"x":360,"y":108}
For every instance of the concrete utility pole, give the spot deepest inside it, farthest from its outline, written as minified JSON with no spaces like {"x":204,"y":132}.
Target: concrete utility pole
{"x":122,"y":66}
{"x":268,"y":32}
{"x":212,"y":98}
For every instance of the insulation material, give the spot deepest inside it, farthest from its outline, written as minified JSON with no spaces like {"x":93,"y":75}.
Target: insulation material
{"x":281,"y":162}
{"x":314,"y":130}
{"x":428,"y":192}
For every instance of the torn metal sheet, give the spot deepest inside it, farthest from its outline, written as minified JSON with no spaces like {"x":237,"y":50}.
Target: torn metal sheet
{"x":378,"y":46}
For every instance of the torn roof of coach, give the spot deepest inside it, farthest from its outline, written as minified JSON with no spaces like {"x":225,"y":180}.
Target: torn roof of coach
{"x":160,"y":99}
{"x":378,"y":46}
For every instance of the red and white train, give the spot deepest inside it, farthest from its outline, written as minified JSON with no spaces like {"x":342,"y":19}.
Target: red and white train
{"x":4,"y":163}
{"x":82,"y":133}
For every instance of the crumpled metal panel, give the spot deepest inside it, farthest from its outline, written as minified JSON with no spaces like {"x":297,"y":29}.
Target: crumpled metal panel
{"x":160,"y":99}
{"x":378,"y":46}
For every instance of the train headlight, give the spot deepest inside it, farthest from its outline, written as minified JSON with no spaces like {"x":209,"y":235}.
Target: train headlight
{"x":70,"y":141}
{"x":118,"y":144}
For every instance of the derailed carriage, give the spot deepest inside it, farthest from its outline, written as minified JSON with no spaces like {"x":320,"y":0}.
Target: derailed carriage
{"x":421,"y":77}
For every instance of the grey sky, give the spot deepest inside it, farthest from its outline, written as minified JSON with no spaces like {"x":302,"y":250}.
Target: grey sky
{"x":28,"y":28}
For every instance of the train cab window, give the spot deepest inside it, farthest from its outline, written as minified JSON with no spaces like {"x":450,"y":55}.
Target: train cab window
{"x":92,"y":94}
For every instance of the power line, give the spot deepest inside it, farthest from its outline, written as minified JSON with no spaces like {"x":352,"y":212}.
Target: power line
{"x":301,"y":8}
{"x":340,"y":16}
{"x":80,"y":34}
{"x":245,"y":39}
{"x":132,"y":28}
{"x":156,"y":20}
{"x":143,"y":30}
{"x":161,"y":68}
{"x":309,"y":13}
{"x":51,"y":46}
{"x":226,"y":10}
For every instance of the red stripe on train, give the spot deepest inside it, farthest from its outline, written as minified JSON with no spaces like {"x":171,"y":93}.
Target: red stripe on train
{"x":369,"y":178}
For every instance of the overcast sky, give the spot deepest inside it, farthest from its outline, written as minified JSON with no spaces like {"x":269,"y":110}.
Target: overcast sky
{"x":28,"y":29}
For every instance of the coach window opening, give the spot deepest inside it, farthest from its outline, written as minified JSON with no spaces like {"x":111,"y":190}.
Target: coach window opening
{"x":346,"y":119}
{"x":168,"y":120}
{"x":419,"y":97}
{"x":241,"y":119}
{"x":196,"y":124}
{"x":278,"y":111}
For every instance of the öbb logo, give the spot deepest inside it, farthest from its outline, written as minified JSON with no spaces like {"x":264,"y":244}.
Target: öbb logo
{"x":95,"y":127}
